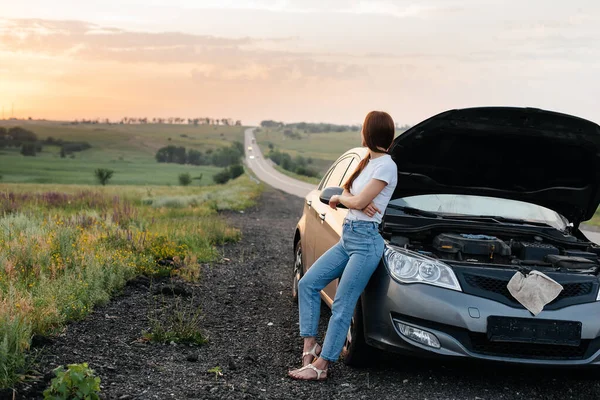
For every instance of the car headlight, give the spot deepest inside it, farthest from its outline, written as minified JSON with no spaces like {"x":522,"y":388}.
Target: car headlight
{"x":406,"y":266}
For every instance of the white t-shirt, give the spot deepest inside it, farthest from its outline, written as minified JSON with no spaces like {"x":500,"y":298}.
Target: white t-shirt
{"x":384,"y":169}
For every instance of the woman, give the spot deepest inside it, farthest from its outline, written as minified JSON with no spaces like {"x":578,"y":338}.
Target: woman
{"x":356,"y":256}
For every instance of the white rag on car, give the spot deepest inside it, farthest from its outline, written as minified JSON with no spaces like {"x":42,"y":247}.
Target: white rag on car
{"x":533,"y":290}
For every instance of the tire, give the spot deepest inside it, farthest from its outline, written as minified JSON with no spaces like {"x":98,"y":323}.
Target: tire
{"x":298,"y":270}
{"x":356,"y":352}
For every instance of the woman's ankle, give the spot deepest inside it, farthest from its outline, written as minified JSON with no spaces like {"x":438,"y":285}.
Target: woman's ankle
{"x":321,"y":363}
{"x":309,"y":342}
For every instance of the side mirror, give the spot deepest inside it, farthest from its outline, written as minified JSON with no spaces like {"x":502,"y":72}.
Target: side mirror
{"x":327,"y":193}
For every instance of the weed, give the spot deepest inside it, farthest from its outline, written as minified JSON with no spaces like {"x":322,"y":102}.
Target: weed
{"x":218,"y":371}
{"x":179,"y":323}
{"x":75,"y":382}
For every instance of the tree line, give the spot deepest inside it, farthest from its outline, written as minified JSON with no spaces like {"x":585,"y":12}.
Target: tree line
{"x":221,"y":157}
{"x":227,"y":157}
{"x":308,"y":127}
{"x":298,"y":165}
{"x":170,"y":120}
{"x":30,"y":144}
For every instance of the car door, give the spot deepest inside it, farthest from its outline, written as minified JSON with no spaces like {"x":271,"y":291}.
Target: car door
{"x":330,"y":220}
{"x":315,"y":211}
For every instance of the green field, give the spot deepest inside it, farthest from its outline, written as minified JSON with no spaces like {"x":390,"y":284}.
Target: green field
{"x":323,"y":148}
{"x":126,"y":149}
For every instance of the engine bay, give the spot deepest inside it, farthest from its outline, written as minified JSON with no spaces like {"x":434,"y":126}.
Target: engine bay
{"x":524,"y":251}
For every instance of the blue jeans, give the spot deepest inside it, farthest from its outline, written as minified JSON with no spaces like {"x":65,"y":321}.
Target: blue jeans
{"x":354,"y":258}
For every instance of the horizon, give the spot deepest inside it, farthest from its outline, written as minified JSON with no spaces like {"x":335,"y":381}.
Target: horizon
{"x":296,"y":61}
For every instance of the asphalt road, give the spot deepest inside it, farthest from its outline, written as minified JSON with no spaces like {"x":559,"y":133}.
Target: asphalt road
{"x":266,"y":173}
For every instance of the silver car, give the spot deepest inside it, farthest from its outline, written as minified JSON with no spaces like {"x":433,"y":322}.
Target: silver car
{"x":482,"y":194}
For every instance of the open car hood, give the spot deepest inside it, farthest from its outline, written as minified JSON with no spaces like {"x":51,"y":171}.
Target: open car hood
{"x":525,"y":154}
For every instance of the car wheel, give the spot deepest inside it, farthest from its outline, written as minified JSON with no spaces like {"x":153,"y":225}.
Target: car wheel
{"x":356,"y":352}
{"x":298,"y":271}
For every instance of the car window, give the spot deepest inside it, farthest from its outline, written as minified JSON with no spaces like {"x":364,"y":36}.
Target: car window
{"x":338,"y":171}
{"x":350,"y":170}
{"x":325,"y":178}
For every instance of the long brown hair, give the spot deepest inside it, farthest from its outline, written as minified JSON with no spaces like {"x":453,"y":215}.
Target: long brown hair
{"x":378,"y":132}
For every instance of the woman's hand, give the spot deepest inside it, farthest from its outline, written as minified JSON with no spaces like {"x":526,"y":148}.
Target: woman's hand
{"x":370,"y":210}
{"x":334,"y":201}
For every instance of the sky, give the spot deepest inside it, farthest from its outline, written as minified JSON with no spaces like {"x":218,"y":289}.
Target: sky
{"x":296,"y":60}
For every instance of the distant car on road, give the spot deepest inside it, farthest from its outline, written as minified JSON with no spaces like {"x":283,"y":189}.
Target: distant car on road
{"x":251,"y":157}
{"x":482,"y":194}
{"x":249,"y":148}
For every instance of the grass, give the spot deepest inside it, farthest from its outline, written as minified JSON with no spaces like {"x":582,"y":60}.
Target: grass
{"x":179,"y":323}
{"x":595,"y":221}
{"x":129,"y":150}
{"x":65,"y":250}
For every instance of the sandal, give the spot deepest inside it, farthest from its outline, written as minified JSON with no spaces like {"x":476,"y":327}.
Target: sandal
{"x":312,"y":352}
{"x":310,"y":366}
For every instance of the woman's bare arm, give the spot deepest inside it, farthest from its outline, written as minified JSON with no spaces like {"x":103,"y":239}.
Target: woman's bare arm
{"x":362,"y":200}
{"x":371,"y":209}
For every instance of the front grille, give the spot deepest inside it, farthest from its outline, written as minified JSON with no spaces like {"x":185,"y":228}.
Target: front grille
{"x":575,"y":290}
{"x":498,"y":286}
{"x":480,"y":344}
{"x":489,"y":284}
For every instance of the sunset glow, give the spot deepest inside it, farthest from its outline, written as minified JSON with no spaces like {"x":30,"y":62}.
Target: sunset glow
{"x":296,"y":60}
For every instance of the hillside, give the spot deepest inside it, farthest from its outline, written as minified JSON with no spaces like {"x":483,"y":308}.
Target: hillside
{"x":129,"y":150}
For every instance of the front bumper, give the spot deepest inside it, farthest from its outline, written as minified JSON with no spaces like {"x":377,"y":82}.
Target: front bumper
{"x":459,"y":321}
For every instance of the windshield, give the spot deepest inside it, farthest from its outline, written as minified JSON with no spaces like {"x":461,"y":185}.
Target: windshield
{"x":479,"y":205}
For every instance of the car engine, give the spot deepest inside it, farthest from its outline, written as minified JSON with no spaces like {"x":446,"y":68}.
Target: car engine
{"x":527,"y":252}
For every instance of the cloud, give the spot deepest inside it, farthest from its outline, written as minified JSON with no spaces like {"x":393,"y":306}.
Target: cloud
{"x":208,"y":57}
{"x":389,"y":8}
{"x":53,"y":36}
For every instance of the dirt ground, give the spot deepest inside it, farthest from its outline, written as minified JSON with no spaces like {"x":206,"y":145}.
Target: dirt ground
{"x":252,"y":325}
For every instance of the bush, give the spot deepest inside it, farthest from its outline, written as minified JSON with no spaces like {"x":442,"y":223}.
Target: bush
{"x":22,"y":135}
{"x":185,"y":179}
{"x":103,"y":175}
{"x":76,"y":382}
{"x":72,"y":147}
{"x":226,"y":156}
{"x":28,"y":149}
{"x":235,"y":171}
{"x":196,"y":157}
{"x":171,"y":154}
{"x":222,"y":177}
{"x":306,"y":171}
{"x":297,"y":165}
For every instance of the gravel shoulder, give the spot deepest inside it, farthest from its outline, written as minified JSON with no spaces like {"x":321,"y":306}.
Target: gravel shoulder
{"x":252,"y":325}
